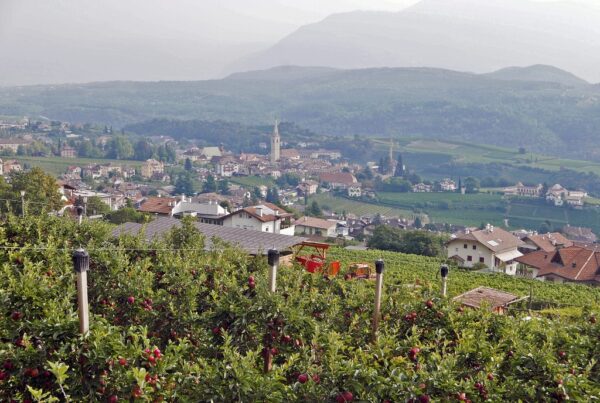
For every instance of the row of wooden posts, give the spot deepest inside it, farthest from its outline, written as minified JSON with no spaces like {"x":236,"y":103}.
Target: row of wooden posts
{"x":81,"y":265}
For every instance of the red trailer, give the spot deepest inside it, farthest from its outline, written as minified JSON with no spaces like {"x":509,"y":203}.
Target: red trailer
{"x":315,"y":258}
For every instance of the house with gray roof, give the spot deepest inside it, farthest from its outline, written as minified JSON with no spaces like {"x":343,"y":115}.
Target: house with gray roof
{"x":253,"y":242}
{"x":493,"y":247}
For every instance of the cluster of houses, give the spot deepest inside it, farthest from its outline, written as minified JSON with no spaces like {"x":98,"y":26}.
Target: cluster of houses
{"x":557,"y":194}
{"x":445,"y":185}
{"x":266,"y":217}
{"x":548,"y":257}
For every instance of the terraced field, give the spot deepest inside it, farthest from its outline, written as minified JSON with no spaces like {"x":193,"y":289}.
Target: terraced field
{"x":338,"y":204}
{"x":58,"y":165}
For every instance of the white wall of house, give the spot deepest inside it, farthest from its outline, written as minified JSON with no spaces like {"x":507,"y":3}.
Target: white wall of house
{"x":308,"y":230}
{"x":471,"y":252}
{"x":247,"y":221}
{"x":291,"y":230}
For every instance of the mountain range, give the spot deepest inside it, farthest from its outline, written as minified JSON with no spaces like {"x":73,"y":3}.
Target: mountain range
{"x":464,"y":35}
{"x":559,"y":115}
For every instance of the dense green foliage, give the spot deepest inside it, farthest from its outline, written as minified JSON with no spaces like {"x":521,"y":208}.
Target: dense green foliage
{"x":171,"y":321}
{"x":412,"y":242}
{"x":40,"y":192}
{"x":542,"y":116}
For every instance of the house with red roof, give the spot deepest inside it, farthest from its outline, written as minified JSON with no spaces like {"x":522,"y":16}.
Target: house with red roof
{"x":265,"y":217}
{"x":573,"y":264}
{"x":338,"y":180}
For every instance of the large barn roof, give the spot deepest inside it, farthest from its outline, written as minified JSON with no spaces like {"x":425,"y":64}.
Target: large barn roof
{"x":253,"y":242}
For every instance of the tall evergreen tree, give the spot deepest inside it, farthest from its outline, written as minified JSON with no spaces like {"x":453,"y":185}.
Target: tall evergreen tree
{"x":210,"y":185}
{"x":188,"y":165}
{"x":273,"y":195}
{"x":399,"y":167}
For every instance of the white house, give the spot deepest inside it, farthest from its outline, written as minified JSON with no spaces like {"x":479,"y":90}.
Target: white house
{"x":493,"y":247}
{"x":354,"y":191}
{"x":265,"y":217}
{"x":422,"y":188}
{"x":208,"y":213}
{"x":559,"y":195}
{"x":227,"y":167}
{"x":85,"y":194}
{"x":448,"y":185}
{"x":524,"y":191}
{"x":315,"y":226}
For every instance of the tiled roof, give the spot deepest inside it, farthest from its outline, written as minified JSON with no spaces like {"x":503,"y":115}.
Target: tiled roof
{"x":345,"y":178}
{"x":261,"y":216}
{"x":253,"y":242}
{"x":495,"y":239}
{"x":486,"y":296}
{"x":315,"y":223}
{"x":549,"y":242}
{"x":158,"y":205}
{"x":574,"y":263}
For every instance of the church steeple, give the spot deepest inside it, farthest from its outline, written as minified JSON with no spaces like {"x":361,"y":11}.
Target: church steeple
{"x":391,"y":161}
{"x":275,"y":144}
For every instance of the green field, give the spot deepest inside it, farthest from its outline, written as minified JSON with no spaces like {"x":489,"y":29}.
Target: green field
{"x":58,"y":165}
{"x":456,"y":199}
{"x":339,"y":204}
{"x":462,"y":152}
{"x":252,"y":181}
{"x":467,"y":210}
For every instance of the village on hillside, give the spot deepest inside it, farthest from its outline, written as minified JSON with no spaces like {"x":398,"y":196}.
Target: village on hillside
{"x":270,"y":192}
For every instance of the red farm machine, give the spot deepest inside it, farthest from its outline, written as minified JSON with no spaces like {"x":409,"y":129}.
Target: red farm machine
{"x":313,"y":257}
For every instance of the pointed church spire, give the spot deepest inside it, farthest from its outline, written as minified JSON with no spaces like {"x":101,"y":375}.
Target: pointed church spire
{"x":275,"y":143}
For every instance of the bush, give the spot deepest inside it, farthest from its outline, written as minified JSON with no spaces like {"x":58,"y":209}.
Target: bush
{"x":173,"y":322}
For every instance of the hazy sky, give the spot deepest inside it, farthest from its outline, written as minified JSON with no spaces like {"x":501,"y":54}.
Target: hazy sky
{"x":53,"y":41}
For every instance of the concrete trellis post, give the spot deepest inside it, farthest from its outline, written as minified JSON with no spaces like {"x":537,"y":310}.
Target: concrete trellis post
{"x":444,"y":274}
{"x":79,"y":214}
{"x":379,"y":268}
{"x":81,"y":265}
{"x":273,"y":257}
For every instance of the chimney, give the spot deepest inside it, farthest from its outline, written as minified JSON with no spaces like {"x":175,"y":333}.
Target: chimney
{"x":259,"y":211}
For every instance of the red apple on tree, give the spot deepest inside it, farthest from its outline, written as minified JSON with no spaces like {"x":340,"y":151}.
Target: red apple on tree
{"x":303,"y":378}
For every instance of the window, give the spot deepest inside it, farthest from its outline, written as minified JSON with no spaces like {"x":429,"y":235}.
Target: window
{"x":474,"y":247}
{"x":456,"y":249}
{"x":469,"y":258}
{"x":481,"y":260}
{"x":465,"y":246}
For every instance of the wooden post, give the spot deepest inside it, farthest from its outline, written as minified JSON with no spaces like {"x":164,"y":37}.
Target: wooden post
{"x":273,"y":257}
{"x":444,"y":274}
{"x":22,"y":203}
{"x":268,"y":365}
{"x":81,"y":264}
{"x":379,"y":268}
{"x":79,"y":214}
